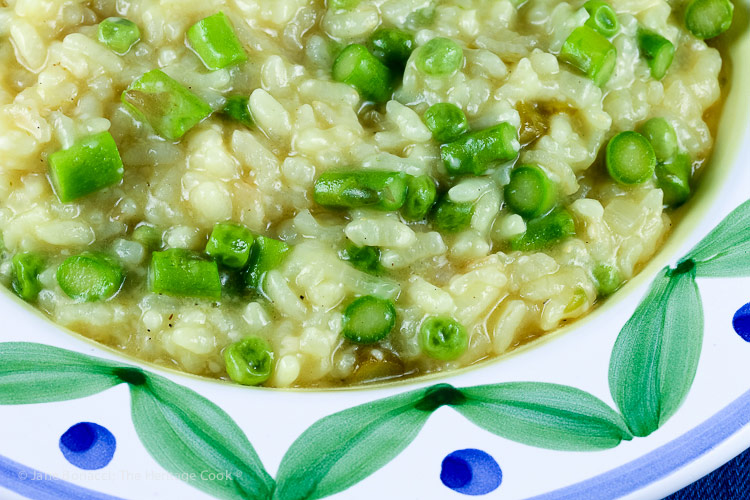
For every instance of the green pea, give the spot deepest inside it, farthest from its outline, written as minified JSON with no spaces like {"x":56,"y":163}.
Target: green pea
{"x":708,"y":18}
{"x":662,"y":137}
{"x":420,"y":196}
{"x":229,"y":244}
{"x":365,"y":258}
{"x":249,"y":361}
{"x":26,"y":269}
{"x":607,"y":279}
{"x":440,"y":57}
{"x":442,"y":338}
{"x":446,"y":121}
{"x":118,"y":34}
{"x":673,"y":178}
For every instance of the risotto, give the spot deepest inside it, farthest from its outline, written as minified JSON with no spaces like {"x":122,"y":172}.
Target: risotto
{"x":299,"y":193}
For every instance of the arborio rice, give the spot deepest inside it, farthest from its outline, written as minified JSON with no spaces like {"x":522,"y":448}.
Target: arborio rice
{"x":464,"y":282}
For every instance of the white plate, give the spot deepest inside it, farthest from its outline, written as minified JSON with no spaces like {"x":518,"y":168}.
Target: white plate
{"x":709,"y":428}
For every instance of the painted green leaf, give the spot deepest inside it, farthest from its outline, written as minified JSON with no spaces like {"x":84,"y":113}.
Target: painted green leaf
{"x":545,"y":415}
{"x":36,"y":373}
{"x":340,"y":450}
{"x":725,"y":251}
{"x":197,"y":441}
{"x":656,"y":354}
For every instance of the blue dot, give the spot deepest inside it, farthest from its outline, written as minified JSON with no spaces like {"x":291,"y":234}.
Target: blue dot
{"x":88,"y":446}
{"x":471,"y":472}
{"x":741,"y":322}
